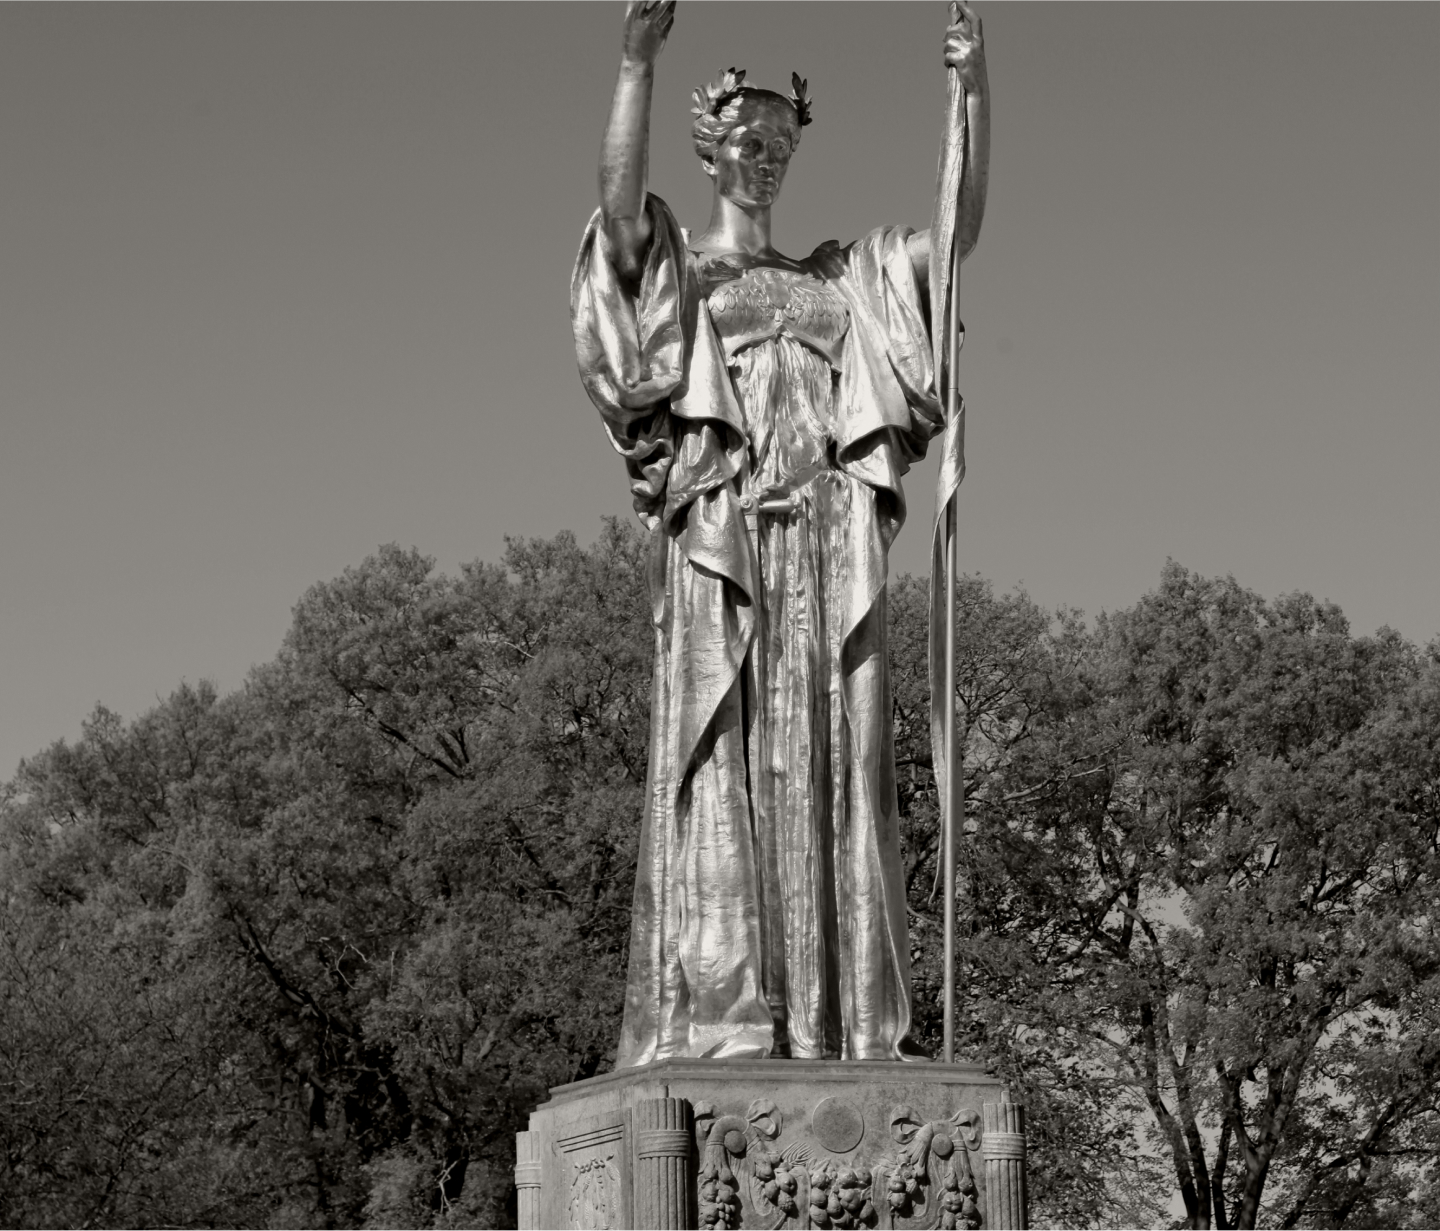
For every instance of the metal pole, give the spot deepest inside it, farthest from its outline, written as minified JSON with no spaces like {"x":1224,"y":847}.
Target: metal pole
{"x":953,"y":802}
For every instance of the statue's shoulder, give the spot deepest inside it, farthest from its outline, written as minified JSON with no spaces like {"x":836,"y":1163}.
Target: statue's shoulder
{"x":864,"y":261}
{"x":658,"y":207}
{"x":829,"y":260}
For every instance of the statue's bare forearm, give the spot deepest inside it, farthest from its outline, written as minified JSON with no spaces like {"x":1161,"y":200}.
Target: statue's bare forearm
{"x":964,"y":52}
{"x":972,"y":190}
{"x":976,"y":180}
{"x":625,"y":150}
{"x":624,"y":159}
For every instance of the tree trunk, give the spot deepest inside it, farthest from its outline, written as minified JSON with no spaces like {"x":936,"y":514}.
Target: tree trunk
{"x":1196,"y":1197}
{"x":1256,"y":1173}
{"x":1217,"y":1180}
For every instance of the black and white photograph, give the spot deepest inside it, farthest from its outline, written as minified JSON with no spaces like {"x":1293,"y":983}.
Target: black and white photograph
{"x":720,"y":614}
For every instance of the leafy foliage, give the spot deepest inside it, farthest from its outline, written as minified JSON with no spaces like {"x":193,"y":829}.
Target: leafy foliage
{"x":1205,"y":883}
{"x":338,"y":932}
{"x":308,"y":954}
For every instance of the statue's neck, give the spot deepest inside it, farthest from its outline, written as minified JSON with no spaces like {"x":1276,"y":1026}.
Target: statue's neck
{"x":736,"y":228}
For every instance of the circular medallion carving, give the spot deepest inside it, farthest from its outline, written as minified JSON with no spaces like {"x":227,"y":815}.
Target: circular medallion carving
{"x":837,"y":1125}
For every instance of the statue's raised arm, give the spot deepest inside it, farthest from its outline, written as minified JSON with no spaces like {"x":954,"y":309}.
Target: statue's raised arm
{"x":625,"y":152}
{"x":965,"y":53}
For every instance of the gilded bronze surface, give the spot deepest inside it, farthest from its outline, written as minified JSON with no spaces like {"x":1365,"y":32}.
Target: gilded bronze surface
{"x":767,"y":408}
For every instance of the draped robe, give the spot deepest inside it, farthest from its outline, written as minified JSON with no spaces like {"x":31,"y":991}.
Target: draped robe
{"x":769,"y":911}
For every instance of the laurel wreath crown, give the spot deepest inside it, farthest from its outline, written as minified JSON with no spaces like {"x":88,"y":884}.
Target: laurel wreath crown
{"x":711,"y":99}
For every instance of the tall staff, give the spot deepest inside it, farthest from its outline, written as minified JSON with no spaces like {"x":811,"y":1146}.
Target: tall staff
{"x":959,"y":209}
{"x":954,"y":771}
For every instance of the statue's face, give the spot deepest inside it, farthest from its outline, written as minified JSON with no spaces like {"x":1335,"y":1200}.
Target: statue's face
{"x":750,"y":164}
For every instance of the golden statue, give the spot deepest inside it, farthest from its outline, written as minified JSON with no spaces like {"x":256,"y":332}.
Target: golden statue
{"x":766,"y":408}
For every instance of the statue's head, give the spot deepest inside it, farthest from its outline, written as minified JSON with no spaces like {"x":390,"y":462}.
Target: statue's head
{"x":745,"y":136}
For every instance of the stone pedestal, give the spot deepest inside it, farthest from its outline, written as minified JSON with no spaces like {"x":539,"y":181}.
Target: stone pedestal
{"x":775,"y":1144}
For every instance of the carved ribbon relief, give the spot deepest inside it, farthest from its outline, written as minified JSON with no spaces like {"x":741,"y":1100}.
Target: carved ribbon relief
{"x":595,"y":1194}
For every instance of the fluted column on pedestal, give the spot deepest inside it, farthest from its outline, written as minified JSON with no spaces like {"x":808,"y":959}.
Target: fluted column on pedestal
{"x":1007,"y":1206}
{"x":527,"y":1180}
{"x":664,"y":1141}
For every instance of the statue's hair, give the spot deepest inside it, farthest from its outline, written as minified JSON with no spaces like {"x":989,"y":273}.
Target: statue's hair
{"x":717,"y":109}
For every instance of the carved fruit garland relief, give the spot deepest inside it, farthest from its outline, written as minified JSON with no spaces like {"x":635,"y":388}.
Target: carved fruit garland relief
{"x":924,"y":1181}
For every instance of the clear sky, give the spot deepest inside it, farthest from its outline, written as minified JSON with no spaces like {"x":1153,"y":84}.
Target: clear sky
{"x":280,"y":283}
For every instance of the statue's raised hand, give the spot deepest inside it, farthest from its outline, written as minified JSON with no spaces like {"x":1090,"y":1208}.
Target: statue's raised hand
{"x":965,"y":44}
{"x":647,"y":24}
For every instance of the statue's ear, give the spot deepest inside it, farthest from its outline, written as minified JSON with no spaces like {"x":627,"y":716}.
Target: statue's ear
{"x":709,"y":165}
